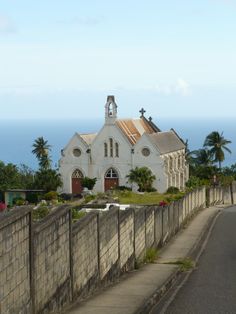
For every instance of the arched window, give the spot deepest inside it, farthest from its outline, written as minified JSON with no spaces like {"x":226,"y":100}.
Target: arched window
{"x":105,"y":150}
{"x":117,"y":150}
{"x":111,"y":173}
{"x":77,"y":174}
{"x":111,"y":147}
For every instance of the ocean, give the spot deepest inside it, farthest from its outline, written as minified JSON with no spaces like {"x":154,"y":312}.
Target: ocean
{"x":17,"y":136}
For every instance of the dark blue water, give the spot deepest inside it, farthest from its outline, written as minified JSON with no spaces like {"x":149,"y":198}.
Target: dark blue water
{"x":17,"y":136}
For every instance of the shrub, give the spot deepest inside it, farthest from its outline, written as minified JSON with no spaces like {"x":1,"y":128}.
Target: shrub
{"x":52,"y":195}
{"x":19,"y":201}
{"x":33,"y":198}
{"x":66,"y":196}
{"x":88,"y":182}
{"x":76,"y":215}
{"x":122,"y":188}
{"x":172,"y":190}
{"x":40,"y":212}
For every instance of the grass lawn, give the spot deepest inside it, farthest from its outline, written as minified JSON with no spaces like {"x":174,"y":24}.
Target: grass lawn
{"x":127,"y":197}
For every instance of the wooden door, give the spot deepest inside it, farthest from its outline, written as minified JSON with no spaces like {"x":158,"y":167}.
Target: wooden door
{"x":111,"y":183}
{"x":76,"y":186}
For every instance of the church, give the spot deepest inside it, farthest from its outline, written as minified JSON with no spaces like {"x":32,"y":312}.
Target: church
{"x":122,"y":145}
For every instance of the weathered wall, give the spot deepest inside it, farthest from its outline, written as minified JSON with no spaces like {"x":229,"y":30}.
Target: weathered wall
{"x":51,"y":244}
{"x":127,"y":240}
{"x":43,"y":266}
{"x":15,"y":262}
{"x":108,"y":244}
{"x":85,"y":255}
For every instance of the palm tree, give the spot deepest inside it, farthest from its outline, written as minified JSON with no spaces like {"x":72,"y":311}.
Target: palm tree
{"x":41,"y":149}
{"x":202,"y":157}
{"x":217,"y":144}
{"x":143,"y":177}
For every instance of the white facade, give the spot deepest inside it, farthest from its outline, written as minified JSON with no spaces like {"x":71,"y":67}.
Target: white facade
{"x":120,"y":146}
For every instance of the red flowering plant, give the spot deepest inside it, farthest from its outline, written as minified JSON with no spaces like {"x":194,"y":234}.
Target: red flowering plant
{"x":3,"y":206}
{"x":163,"y":203}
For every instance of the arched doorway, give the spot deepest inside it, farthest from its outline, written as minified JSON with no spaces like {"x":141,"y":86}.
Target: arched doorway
{"x":76,"y":177}
{"x":111,"y":179}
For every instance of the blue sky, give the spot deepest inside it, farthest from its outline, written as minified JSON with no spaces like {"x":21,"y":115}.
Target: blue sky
{"x":59,"y":59}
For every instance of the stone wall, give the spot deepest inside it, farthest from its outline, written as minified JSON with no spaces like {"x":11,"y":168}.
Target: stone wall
{"x":15,"y":294}
{"x":85,"y":258}
{"x":51,"y":247}
{"x":46,"y":265}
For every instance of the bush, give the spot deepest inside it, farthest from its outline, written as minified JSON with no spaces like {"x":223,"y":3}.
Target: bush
{"x":52,"y":195}
{"x":122,"y":188}
{"x":151,"y":255}
{"x":172,"y":190}
{"x":19,"y":201}
{"x":33,"y":198}
{"x":76,"y":215}
{"x":40,"y":212}
{"x":88,"y":182}
{"x":66,"y":196}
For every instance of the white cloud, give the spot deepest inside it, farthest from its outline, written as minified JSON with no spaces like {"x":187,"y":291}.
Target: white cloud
{"x":6,"y":25}
{"x":182,"y":87}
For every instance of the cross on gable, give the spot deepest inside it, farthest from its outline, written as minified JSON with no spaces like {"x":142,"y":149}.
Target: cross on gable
{"x":142,"y":111}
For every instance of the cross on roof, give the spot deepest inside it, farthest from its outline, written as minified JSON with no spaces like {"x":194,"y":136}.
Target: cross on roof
{"x":142,"y":111}
{"x":150,"y":119}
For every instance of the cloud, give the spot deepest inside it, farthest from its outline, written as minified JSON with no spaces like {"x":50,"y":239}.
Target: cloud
{"x":6,"y":25}
{"x":84,"y":21}
{"x":182,"y":87}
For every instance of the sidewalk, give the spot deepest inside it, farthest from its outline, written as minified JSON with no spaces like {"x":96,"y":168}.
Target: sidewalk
{"x":150,"y":281}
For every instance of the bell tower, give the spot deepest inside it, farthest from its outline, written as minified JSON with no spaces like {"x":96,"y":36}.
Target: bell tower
{"x":110,"y":110}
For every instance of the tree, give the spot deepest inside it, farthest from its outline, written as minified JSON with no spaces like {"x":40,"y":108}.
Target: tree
{"x":9,"y":177}
{"x":217,"y":145}
{"x":143,"y":177}
{"x":202,"y":157}
{"x":47,"y":180}
{"x":41,"y":150}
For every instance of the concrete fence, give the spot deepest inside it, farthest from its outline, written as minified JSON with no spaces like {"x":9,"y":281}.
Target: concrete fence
{"x":45,"y":266}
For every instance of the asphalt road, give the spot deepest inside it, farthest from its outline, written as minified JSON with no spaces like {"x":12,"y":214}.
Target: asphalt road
{"x":211,"y":287}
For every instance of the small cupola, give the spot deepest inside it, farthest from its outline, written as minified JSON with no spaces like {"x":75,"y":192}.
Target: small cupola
{"x":110,"y":110}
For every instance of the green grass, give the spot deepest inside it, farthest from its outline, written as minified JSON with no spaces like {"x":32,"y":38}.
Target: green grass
{"x":128,"y":197}
{"x":151,"y":255}
{"x":184,"y":264}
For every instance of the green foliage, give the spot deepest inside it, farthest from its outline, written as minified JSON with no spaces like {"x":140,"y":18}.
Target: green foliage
{"x":143,"y":177}
{"x":88,"y":182}
{"x":184,"y":264}
{"x":202,"y":157}
{"x":151,"y":255}
{"x":217,"y":145}
{"x":89,"y":198}
{"x":172,"y":190}
{"x":76,"y":215}
{"x":47,"y":180}
{"x":10,"y":177}
{"x":195,"y":182}
{"x":33,"y":198}
{"x":52,"y":195}
{"x":41,"y":150}
{"x":40,"y":213}
{"x":19,"y":201}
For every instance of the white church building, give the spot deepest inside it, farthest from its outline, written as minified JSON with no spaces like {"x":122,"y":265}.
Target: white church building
{"x":122,"y":145}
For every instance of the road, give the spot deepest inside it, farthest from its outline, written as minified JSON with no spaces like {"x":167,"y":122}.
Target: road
{"x":211,"y":287}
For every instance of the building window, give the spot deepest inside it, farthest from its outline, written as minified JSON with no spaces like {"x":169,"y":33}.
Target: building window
{"x":76,"y":152}
{"x":111,"y":147}
{"x":105,"y":150}
{"x":111,"y":174}
{"x":146,"y":151}
{"x":77,"y":174}
{"x":117,"y":150}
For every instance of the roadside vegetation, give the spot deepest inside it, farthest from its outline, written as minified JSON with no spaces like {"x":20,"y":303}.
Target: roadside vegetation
{"x":205,"y":168}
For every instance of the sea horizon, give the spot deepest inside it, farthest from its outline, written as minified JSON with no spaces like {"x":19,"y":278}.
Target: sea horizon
{"x":17,"y":136}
